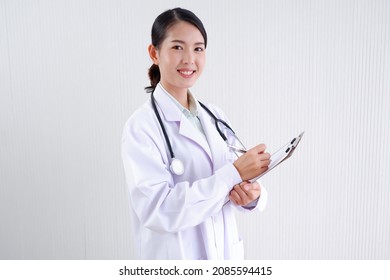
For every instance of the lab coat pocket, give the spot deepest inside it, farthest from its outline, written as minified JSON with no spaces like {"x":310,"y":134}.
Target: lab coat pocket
{"x":237,"y":250}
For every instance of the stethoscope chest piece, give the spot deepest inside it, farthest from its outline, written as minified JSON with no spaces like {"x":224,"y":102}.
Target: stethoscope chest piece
{"x":177,"y":167}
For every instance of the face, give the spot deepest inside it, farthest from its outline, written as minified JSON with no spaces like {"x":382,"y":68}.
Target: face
{"x":181,"y":57}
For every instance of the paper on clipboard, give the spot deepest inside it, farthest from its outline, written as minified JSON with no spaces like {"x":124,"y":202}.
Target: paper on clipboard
{"x":282,"y":154}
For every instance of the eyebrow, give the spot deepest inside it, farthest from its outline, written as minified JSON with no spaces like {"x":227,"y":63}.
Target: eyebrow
{"x":182,"y":42}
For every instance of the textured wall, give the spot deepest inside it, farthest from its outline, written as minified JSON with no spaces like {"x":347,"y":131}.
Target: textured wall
{"x":71,"y":73}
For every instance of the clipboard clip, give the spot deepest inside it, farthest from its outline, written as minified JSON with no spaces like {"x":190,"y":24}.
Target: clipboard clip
{"x":293,"y":144}
{"x":282,"y":154}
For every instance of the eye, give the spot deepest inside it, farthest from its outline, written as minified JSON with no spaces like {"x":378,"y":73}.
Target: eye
{"x":199,"y":49}
{"x":177,"y":47}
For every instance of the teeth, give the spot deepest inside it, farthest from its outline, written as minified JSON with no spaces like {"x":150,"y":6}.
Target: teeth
{"x":186,"y":72}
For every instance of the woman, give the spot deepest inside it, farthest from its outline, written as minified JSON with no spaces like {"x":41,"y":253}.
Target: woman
{"x":184,"y":180}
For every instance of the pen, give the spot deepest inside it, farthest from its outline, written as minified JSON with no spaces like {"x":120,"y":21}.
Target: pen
{"x":236,"y":149}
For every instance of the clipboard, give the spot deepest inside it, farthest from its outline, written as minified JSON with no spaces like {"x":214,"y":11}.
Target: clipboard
{"x":282,"y":154}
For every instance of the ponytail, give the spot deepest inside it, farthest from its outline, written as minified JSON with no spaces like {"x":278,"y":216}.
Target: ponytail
{"x":154,"y":76}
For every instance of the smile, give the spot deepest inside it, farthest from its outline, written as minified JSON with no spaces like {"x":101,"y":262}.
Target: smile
{"x":186,"y":73}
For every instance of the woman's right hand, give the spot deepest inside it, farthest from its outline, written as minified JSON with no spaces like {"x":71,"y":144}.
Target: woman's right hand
{"x":253,"y":163}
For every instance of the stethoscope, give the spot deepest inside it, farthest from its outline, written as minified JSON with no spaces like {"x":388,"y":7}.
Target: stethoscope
{"x":177,"y":166}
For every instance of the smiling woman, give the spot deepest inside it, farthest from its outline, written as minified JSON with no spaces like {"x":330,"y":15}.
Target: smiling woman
{"x":181,"y":58}
{"x":184,"y":187}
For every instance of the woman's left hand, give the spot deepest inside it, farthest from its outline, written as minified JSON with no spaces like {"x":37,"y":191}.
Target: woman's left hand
{"x":245,"y":193}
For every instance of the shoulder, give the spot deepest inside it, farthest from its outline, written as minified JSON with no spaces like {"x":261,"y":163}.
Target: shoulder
{"x":141,"y":119}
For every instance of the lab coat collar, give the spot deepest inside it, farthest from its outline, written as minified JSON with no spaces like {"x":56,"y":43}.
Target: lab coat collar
{"x":168,"y":109}
{"x":172,"y":113}
{"x":192,"y":103}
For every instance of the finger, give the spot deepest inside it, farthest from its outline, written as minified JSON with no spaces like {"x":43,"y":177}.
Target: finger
{"x":264,"y":157}
{"x":241,"y":192}
{"x":251,"y":195}
{"x":246,"y":187}
{"x":260,"y":148}
{"x":265,"y":163}
{"x":243,"y":183}
{"x":255,"y":186}
{"x":263,"y":169}
{"x":234,"y":197}
{"x":241,"y":199}
{"x":252,"y":190}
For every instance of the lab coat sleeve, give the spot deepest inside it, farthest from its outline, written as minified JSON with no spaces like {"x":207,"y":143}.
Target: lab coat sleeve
{"x":260,"y":203}
{"x":158,"y":203}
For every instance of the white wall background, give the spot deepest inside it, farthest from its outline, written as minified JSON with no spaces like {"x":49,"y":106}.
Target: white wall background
{"x":72,"y":72}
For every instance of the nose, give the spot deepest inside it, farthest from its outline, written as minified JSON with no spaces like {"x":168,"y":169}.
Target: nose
{"x":188,"y":57}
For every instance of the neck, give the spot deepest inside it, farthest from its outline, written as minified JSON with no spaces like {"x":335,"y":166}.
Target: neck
{"x":179,"y":94}
{"x":182,"y":99}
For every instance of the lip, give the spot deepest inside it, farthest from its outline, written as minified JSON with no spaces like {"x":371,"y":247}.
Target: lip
{"x":186,"y":73}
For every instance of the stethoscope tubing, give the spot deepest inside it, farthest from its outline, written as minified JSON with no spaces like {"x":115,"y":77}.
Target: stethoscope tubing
{"x":176,"y":165}
{"x":162,"y":127}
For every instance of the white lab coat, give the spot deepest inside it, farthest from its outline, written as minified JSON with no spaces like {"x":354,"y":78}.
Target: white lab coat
{"x":181,"y":217}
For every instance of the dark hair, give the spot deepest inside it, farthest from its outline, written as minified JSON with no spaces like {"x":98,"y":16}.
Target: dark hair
{"x":159,"y":32}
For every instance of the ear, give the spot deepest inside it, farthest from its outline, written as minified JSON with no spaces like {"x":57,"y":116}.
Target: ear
{"x":153,"y":53}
